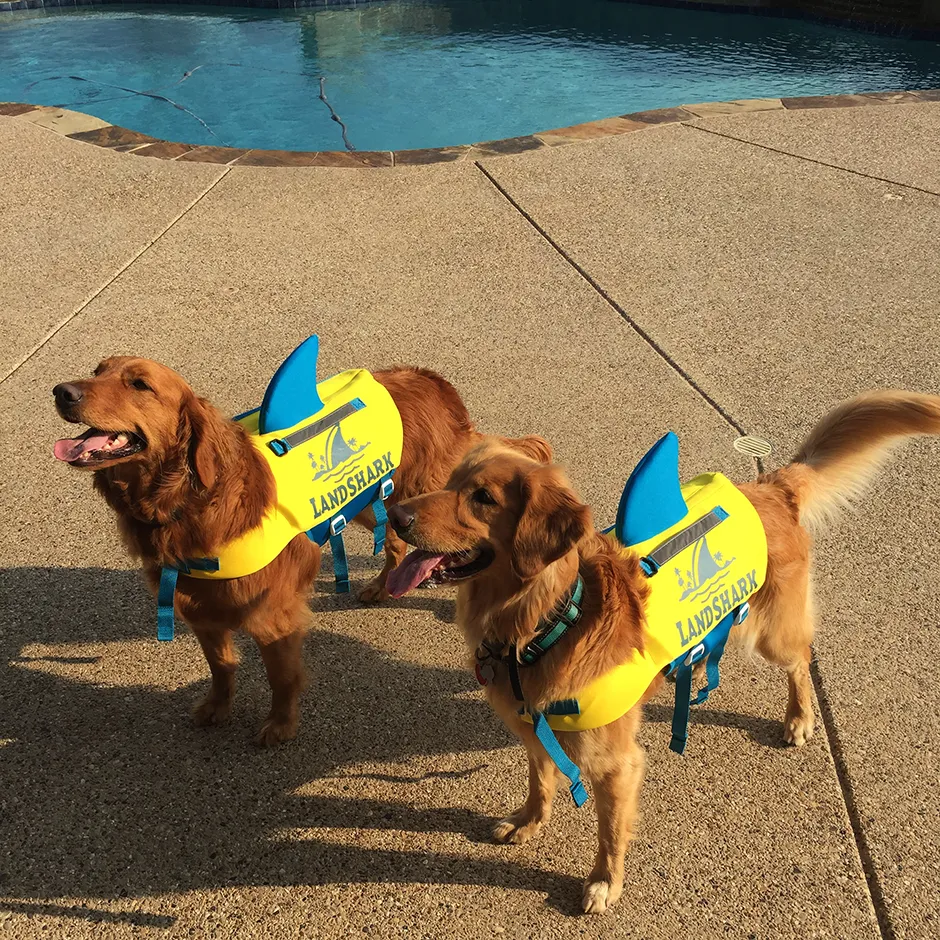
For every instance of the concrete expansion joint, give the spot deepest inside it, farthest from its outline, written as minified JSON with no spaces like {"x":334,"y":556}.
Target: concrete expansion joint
{"x":879,"y":906}
{"x":71,"y":316}
{"x":630,"y":321}
{"x":863,"y":849}
{"x":805,"y":159}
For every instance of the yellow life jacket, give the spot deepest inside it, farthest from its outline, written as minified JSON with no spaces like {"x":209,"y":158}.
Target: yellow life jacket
{"x":703,"y":549}
{"x":342,"y":454}
{"x":332,"y":448}
{"x":690,"y":594}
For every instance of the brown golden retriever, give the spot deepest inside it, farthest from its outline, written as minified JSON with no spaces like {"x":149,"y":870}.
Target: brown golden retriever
{"x":184,"y":480}
{"x":514,"y":536}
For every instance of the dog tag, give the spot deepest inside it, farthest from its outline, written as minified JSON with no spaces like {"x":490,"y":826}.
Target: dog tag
{"x":485,"y":673}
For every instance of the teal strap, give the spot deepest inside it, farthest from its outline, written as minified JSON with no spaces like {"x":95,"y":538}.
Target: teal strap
{"x":680,"y":714}
{"x":713,"y":647}
{"x":567,"y":706}
{"x":166,"y":626}
{"x":166,"y":593}
{"x":553,"y":630}
{"x":560,"y":759}
{"x":711,"y":667}
{"x":340,"y":565}
{"x":386,"y":488}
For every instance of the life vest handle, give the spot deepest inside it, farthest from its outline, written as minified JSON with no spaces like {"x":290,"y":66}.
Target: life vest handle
{"x":681,"y":540}
{"x":283,"y":445}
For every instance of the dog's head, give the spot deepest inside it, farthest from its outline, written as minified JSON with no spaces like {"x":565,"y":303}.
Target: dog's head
{"x":502,"y":515}
{"x":137,"y":412}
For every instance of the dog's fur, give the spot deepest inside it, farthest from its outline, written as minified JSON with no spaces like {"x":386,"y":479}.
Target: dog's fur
{"x":540,"y":536}
{"x":199,"y":483}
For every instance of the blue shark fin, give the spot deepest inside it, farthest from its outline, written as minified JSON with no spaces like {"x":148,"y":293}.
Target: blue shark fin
{"x":652,"y":500}
{"x":292,"y":394}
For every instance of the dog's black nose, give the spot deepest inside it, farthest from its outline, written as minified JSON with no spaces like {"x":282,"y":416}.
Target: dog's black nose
{"x":67,"y":394}
{"x":400,"y":518}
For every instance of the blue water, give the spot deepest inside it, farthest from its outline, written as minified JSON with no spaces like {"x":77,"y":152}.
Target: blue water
{"x":406,"y":73}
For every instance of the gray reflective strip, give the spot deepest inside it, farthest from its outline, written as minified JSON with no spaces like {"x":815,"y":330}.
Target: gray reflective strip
{"x":682,"y":540}
{"x":323,"y":424}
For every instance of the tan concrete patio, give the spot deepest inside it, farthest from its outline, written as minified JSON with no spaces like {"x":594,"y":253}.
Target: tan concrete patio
{"x":747,"y":270}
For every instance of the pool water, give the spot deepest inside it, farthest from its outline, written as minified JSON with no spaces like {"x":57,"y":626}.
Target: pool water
{"x":406,"y":74}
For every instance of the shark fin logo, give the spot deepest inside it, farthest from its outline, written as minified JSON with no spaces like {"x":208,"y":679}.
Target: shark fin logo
{"x":706,"y":575}
{"x":340,"y":456}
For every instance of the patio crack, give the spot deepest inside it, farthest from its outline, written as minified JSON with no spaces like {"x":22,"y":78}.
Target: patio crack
{"x":863,"y":850}
{"x":876,"y":897}
{"x":805,"y":159}
{"x":88,"y":301}
{"x":642,"y":333}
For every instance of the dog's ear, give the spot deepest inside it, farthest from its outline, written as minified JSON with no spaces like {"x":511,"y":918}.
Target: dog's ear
{"x":537,"y":448}
{"x":204,"y":446}
{"x":553,"y":521}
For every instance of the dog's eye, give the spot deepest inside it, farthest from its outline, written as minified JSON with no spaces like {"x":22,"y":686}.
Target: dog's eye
{"x":483,"y":497}
{"x":141,"y":385}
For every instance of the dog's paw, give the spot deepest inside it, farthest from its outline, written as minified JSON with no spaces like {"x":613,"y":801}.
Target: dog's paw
{"x":374,"y":592}
{"x":212,"y":711}
{"x":798,"y":729}
{"x":516,"y":829}
{"x":275,"y":731}
{"x":599,"y":895}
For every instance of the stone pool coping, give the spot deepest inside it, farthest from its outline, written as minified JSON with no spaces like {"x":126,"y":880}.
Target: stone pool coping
{"x":85,"y":127}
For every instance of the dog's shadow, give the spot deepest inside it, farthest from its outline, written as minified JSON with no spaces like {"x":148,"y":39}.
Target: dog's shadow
{"x":763,"y":731}
{"x":109,"y":791}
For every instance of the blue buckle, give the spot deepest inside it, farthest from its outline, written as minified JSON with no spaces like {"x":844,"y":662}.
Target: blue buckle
{"x":279,"y":447}
{"x":741,"y":614}
{"x":337,"y":524}
{"x":387,"y":488}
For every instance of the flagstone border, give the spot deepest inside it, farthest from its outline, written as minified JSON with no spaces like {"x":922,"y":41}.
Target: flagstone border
{"x":89,"y":129}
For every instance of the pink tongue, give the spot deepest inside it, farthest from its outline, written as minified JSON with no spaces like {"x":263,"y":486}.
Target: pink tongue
{"x":416,"y":568}
{"x":73,"y":448}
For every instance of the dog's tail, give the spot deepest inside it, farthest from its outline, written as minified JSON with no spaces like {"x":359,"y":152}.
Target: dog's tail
{"x":847,"y":448}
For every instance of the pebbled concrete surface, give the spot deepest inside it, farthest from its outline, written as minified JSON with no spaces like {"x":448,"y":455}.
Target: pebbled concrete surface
{"x":70,"y":220}
{"x":897,"y":143}
{"x":784,"y":287}
{"x":120,"y":819}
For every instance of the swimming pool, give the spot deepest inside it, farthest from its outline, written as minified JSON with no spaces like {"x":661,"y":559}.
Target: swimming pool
{"x":411,"y":73}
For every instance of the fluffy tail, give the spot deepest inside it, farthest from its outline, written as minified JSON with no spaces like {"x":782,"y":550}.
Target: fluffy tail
{"x":846,"y":449}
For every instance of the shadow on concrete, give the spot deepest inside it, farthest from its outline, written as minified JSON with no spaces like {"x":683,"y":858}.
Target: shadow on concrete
{"x":110,"y":792}
{"x":763,"y":731}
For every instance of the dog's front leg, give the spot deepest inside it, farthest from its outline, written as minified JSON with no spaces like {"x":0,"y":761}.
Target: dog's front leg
{"x":216,"y":643}
{"x":526,"y":822}
{"x":284,"y":664}
{"x":616,"y":791}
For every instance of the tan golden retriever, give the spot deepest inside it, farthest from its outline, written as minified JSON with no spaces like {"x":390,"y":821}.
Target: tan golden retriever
{"x":184,"y":480}
{"x":514,"y":536}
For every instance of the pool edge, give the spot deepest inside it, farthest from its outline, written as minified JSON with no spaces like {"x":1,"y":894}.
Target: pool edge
{"x":87,"y":128}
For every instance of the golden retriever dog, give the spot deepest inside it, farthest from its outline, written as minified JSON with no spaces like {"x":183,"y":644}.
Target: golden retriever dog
{"x":184,"y":480}
{"x":514,"y":536}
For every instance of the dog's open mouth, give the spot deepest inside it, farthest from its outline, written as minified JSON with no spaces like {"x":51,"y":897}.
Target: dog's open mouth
{"x":420,"y":566}
{"x":96,"y":446}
